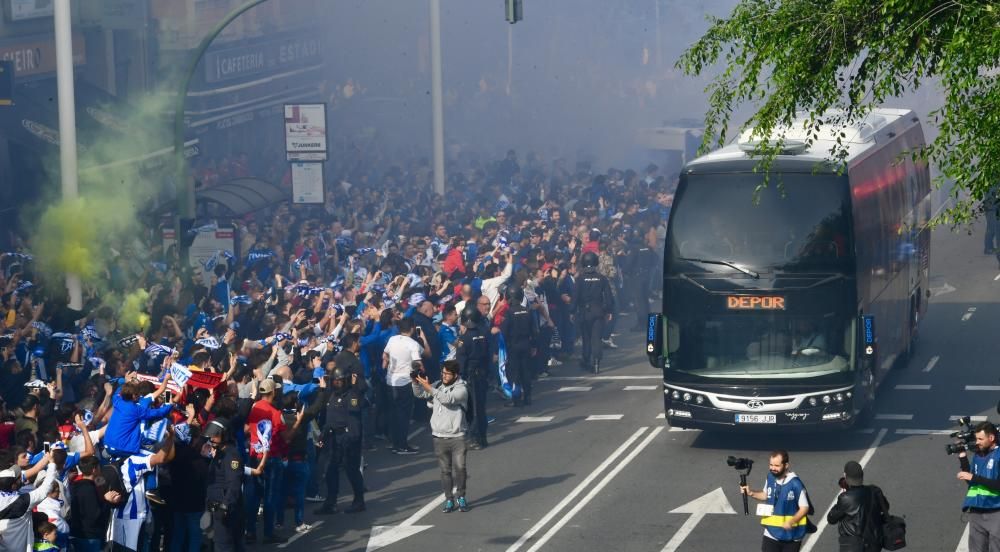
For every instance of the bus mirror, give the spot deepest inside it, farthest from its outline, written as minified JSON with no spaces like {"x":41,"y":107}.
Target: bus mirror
{"x":654,"y":339}
{"x":673,"y":337}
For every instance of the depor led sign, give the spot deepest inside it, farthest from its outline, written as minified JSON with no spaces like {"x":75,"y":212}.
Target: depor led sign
{"x":755,"y":302}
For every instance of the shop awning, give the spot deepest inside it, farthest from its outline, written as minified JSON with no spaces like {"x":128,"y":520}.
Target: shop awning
{"x":243,"y":195}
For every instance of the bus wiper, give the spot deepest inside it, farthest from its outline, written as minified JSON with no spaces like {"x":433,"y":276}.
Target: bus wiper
{"x":734,"y":266}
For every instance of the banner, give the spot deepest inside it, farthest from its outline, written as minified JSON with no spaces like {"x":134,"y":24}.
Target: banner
{"x":180,"y":374}
{"x":171,"y":386}
{"x":305,"y":132}
{"x":307,"y":183}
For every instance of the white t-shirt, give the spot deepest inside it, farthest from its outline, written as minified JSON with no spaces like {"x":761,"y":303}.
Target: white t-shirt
{"x":402,"y":351}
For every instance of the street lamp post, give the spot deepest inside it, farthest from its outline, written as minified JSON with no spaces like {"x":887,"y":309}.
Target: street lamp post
{"x":67,"y":124}
{"x":185,"y":187}
{"x":437,"y":109}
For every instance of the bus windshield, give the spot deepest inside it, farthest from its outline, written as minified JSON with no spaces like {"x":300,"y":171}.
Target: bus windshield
{"x":803,"y":226}
{"x":762,"y":346}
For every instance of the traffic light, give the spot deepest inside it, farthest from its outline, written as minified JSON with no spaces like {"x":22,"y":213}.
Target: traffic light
{"x":514,"y":11}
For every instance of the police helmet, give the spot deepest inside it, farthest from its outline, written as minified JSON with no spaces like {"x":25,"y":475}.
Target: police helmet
{"x":339,"y":374}
{"x":218,"y":426}
{"x":471,"y":314}
{"x":589,"y":260}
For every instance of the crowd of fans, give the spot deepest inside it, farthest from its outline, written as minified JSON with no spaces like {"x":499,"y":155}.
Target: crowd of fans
{"x":287,"y":348}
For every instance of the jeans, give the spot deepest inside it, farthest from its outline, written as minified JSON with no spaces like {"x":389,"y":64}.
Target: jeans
{"x":187,"y":529}
{"x":266,"y":488}
{"x":402,"y":409}
{"x":451,"y":458}
{"x":87,"y":545}
{"x":296,"y":476}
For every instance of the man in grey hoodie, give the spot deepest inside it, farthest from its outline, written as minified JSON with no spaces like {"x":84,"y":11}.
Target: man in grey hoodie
{"x":448,"y":426}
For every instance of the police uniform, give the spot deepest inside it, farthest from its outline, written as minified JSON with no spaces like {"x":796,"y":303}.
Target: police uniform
{"x":475,"y":359}
{"x":520,"y":335}
{"x":785,"y":499}
{"x":982,"y":500}
{"x":343,"y":436}
{"x":224,"y":498}
{"x":595,"y":302}
{"x":643,"y":262}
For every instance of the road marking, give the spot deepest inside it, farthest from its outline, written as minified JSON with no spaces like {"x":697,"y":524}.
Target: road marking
{"x":982,"y":387}
{"x":593,"y":492}
{"x":599,"y":417}
{"x":576,"y":490}
{"x":573,"y":389}
{"x":865,"y":430}
{"x":384,"y":535}
{"x":912,"y":387}
{"x":968,"y":314}
{"x":682,"y":429}
{"x":533,"y":419}
{"x":601,"y":378}
{"x":416,"y":432}
{"x":972,"y":418}
{"x":864,"y":461}
{"x":640,"y":387}
{"x":931,"y":363}
{"x":896,"y":417}
{"x":661,"y":416}
{"x":298,"y":535}
{"x":923,"y":432}
{"x":997,"y":277}
{"x":714,"y":502}
{"x":963,"y":543}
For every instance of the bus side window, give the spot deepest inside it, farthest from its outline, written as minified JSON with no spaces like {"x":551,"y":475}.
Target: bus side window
{"x":673,"y":337}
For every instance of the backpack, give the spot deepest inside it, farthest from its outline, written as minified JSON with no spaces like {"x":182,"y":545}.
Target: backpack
{"x":894,"y":533}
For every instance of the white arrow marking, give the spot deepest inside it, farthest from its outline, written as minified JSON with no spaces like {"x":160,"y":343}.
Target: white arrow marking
{"x":945,"y":289}
{"x":714,"y":502}
{"x":384,"y":535}
{"x":963,"y":543}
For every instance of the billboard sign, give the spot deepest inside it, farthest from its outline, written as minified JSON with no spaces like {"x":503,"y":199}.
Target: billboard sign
{"x":305,"y":132}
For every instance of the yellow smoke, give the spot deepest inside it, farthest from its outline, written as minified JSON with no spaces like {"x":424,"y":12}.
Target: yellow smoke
{"x":133,"y":315}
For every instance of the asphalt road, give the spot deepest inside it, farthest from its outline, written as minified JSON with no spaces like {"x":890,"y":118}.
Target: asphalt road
{"x":564,"y":481}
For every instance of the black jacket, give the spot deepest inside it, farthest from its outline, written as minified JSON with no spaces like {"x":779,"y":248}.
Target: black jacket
{"x":225,"y":478}
{"x":594,"y":298}
{"x":90,"y":511}
{"x":519,"y":330}
{"x":474,"y":353}
{"x":859,"y":514}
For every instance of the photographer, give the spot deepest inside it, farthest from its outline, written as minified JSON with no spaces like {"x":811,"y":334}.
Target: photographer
{"x":784,"y":515}
{"x":448,"y":429}
{"x":982,"y":501}
{"x":859,"y":512}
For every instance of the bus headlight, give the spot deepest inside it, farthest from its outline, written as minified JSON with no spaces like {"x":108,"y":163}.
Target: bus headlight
{"x":840,"y":397}
{"x":676,"y":395}
{"x":826,"y":399}
{"x":699,"y":399}
{"x":687,"y":397}
{"x":812,"y":401}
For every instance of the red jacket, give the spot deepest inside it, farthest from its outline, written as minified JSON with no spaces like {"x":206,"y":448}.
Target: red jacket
{"x":454,"y":262}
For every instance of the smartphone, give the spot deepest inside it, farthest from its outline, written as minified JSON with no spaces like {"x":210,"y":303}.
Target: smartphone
{"x":47,"y":446}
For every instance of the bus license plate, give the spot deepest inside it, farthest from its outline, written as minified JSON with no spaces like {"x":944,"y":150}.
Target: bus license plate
{"x":756,"y":418}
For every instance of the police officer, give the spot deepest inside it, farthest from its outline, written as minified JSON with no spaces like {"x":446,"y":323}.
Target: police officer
{"x":224,"y":496}
{"x":520,"y":334}
{"x":982,"y":500}
{"x":343,"y":435}
{"x":787,"y":506}
{"x":595,"y":304}
{"x":475,"y":357}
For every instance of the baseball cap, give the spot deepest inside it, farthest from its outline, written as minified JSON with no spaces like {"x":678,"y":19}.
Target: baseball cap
{"x":266,"y":387}
{"x":854,"y":474}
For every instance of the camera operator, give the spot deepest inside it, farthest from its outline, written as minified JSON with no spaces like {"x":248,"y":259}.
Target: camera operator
{"x":859,"y":512}
{"x":982,"y":501}
{"x":448,"y":427}
{"x":784,"y":515}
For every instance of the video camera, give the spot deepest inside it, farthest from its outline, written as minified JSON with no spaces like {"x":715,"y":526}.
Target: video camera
{"x":742,"y":467}
{"x":967,"y":435}
{"x":128,"y":341}
{"x":417,"y":371}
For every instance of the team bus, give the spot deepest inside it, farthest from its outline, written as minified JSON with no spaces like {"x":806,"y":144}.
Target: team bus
{"x":788,"y":312}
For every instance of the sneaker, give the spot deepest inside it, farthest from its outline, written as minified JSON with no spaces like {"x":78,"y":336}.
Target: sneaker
{"x":407,"y":451}
{"x":317,"y":498}
{"x":475,"y":446}
{"x":555,"y":362}
{"x":449,"y":506}
{"x":490,"y":419}
{"x":303,"y":528}
{"x":275,"y":539}
{"x":155,"y":498}
{"x":462,"y":504}
{"x":355,"y":508}
{"x":543,"y":374}
{"x":279,"y":526}
{"x":609,"y":343}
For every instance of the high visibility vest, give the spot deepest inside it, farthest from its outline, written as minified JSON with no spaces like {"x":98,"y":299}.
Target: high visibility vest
{"x":785,"y":500}
{"x":979,"y":496}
